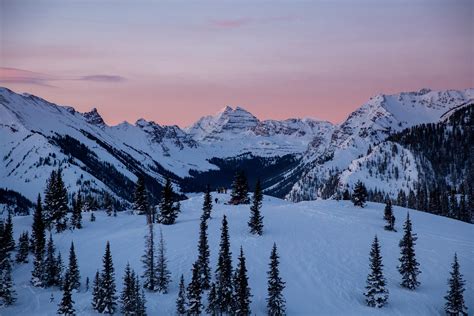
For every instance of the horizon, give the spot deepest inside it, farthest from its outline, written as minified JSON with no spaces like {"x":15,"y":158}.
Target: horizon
{"x":172,"y":63}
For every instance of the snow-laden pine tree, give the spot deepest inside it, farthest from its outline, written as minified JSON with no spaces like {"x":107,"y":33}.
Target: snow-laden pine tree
{"x":359,"y":195}
{"x":212,"y":303}
{"x":168,"y":208}
{"x":256,"y":219}
{"x":108,"y":302}
{"x":241,"y":288}
{"x":140,"y":199}
{"x":224,"y":287}
{"x":194,"y":292}
{"x":408,"y":267}
{"x":73,"y":270}
{"x":76,"y":217}
{"x":240,"y":188}
{"x":66,"y":306}
{"x":56,"y":202}
{"x":388,"y":216}
{"x":96,"y":292}
{"x":23,"y":248}
{"x":203,"y":256}
{"x":150,"y":278}
{"x":162,"y":273}
{"x":376,"y":295}
{"x":207,"y":204}
{"x":276,"y":304}
{"x":181,"y":300}
{"x":455,"y":305}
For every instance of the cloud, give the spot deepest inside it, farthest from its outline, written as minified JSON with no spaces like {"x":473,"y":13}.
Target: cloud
{"x":239,"y":22}
{"x":20,"y":76}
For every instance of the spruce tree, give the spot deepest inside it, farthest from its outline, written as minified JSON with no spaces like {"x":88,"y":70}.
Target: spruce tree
{"x":275,"y":300}
{"x":50,"y":200}
{"x":194,"y":292}
{"x":108,"y":302}
{"x":96,"y":292}
{"x":241,"y":288}
{"x":73,"y":270}
{"x":376,"y":294}
{"x":140,"y":201}
{"x":150,"y":278}
{"x":203,"y":256}
{"x":408,"y":267}
{"x":7,"y":291}
{"x":181,"y":300}
{"x":8,"y":240}
{"x":141,"y":299}
{"x":359,"y":196}
{"x":76,"y":218}
{"x":128,"y":297}
{"x":388,"y":216}
{"x":455,"y":305}
{"x":212,"y":303}
{"x":256,"y":219}
{"x":58,"y":279}
{"x":224,"y":271}
{"x":108,"y":204}
{"x":168,"y":209}
{"x":66,"y":306}
{"x":51,"y":268}
{"x":61,"y":206}
{"x":239,"y":194}
{"x":162,"y":273}
{"x":23,"y":248}
{"x":38,"y":229}
{"x":207,"y":204}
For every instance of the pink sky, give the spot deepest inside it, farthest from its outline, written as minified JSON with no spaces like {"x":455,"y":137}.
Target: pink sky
{"x":173,"y":62}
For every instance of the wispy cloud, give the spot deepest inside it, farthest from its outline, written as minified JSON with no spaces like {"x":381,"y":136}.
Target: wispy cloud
{"x":20,"y":76}
{"x":240,"y":22}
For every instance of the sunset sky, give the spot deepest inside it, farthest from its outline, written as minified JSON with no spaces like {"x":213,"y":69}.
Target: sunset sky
{"x":175,"y":61}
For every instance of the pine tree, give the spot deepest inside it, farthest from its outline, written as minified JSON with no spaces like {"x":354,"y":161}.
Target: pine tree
{"x":140,"y":202}
{"x":38,"y":229}
{"x":408,"y":267}
{"x":7,"y":291}
{"x":50,"y":200}
{"x":181,"y":300}
{"x":239,"y":194}
{"x":76,"y":218}
{"x":195,"y":292}
{"x":8,"y":240}
{"x":256,"y":219}
{"x":141,"y":299}
{"x":455,"y":305}
{"x":376,"y":294}
{"x":73,"y":270}
{"x":96,"y":292}
{"x":359,"y":196}
{"x":241,"y":288}
{"x":212,"y":303}
{"x":51,"y":268}
{"x":224,"y":271}
{"x":61,"y":207}
{"x":87,"y":284}
{"x":150,"y":278}
{"x":162,"y":272}
{"x":128,"y":297}
{"x":92,"y":217}
{"x":108,"y":302}
{"x":207,"y":204}
{"x":203,"y":256}
{"x":66,"y":307}
{"x":275,"y":300}
{"x":58,"y":279}
{"x":388,"y":216}
{"x":23,"y":248}
{"x":168,"y":209}
{"x":108,"y":204}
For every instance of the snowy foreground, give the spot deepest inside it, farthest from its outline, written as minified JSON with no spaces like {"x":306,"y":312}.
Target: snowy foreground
{"x":324,"y":248}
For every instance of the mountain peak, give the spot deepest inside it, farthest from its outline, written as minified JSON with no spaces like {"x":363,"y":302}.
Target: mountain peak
{"x":93,"y":117}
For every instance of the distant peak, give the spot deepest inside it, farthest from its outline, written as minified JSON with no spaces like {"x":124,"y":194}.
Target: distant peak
{"x":93,"y":117}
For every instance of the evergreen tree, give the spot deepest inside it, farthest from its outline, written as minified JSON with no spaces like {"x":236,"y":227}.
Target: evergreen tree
{"x":8,"y":240}
{"x":108,"y":300}
{"x":7,"y":291}
{"x":23,"y":248}
{"x":162,"y":272}
{"x":128,"y":297}
{"x":212,"y":303}
{"x":207,"y":204}
{"x":194,"y":292}
{"x":275,"y":300}
{"x":66,"y":307}
{"x":76,"y":218}
{"x":408,"y":267}
{"x":92,"y":217}
{"x":376,"y":294}
{"x":141,"y":299}
{"x":241,"y":288}
{"x":73,"y":270}
{"x":181,"y":300}
{"x":61,"y":207}
{"x":203,"y":256}
{"x":359,"y":196}
{"x":150,"y":278}
{"x":224,"y":271}
{"x":38,"y":229}
{"x":256,"y":219}
{"x":52,"y":267}
{"x":96,"y":292}
{"x":346,"y":196}
{"x":455,"y":305}
{"x":87,"y":284}
{"x":388,"y":216}
{"x":50,"y":200}
{"x":58,"y":279}
{"x":168,"y":209}
{"x":140,"y":201}
{"x":108,"y":204}
{"x":239,"y":194}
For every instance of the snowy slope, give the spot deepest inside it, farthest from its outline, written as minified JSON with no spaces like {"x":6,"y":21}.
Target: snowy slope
{"x":324,"y":248}
{"x":369,"y":125}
